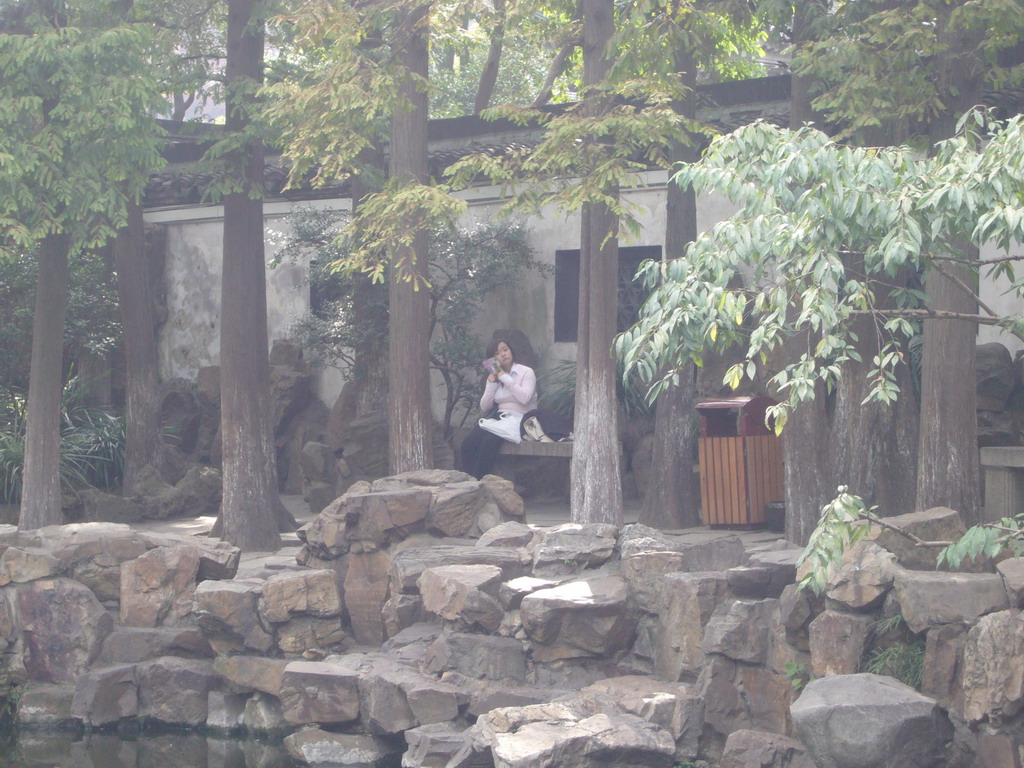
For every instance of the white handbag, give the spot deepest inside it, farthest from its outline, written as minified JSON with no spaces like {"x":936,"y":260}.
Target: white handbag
{"x":506,"y":426}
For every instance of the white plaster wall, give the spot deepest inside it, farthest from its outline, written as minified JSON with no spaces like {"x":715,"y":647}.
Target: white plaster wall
{"x":191,"y":338}
{"x":993,"y":293}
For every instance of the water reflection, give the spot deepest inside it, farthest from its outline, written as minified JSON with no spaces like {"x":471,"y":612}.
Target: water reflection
{"x":39,"y":749}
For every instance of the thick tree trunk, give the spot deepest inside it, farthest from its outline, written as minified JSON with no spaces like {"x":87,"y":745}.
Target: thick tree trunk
{"x":40,"y":493}
{"x":489,"y":75}
{"x":672,"y":497}
{"x":410,"y":426}
{"x":596,"y":485}
{"x":138,"y":320}
{"x":250,"y":506}
{"x":806,"y":14}
{"x":948,"y":464}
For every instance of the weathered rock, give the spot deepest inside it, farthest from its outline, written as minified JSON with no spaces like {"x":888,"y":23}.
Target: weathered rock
{"x":995,"y":376}
{"x":323,"y":749}
{"x":741,"y":696}
{"x":740,"y":631}
{"x":783,"y":656}
{"x":713,"y":551}
{"x":580,"y":618}
{"x":157,"y":587}
{"x":263,"y":713}
{"x":251,"y":673}
{"x":935,"y":524}
{"x":409,"y":564}
{"x":502,"y":492}
{"x":319,"y":692}
{"x":313,"y":593}
{"x":869,"y":721}
{"x":999,"y":750}
{"x":512,"y":592}
{"x":511,"y":533}
{"x":403,"y":611}
{"x":1012,"y":571}
{"x":454,"y":508}
{"x":568,"y":548}
{"x":672,"y":706}
{"x":228,"y":614}
{"x":100,"y":506}
{"x":94,"y":552}
{"x":688,"y":600}
{"x":433,"y":746}
{"x":175,"y":691}
{"x":477,"y":656}
{"x":463,"y":592}
{"x":45,"y":705}
{"x":394,"y":697}
{"x":24,"y":564}
{"x":225,"y":711}
{"x":645,"y":574}
{"x":197,"y":493}
{"x":993,"y":676}
{"x":63,"y":627}
{"x":766,"y":572}
{"x":930,"y":598}
{"x":545,"y":739}
{"x":366,"y":592}
{"x":304,"y":634}
{"x":941,"y":676}
{"x":837,"y":642}
{"x":106,"y":695}
{"x":757,"y":749}
{"x":130,"y":645}
{"x":864,"y":576}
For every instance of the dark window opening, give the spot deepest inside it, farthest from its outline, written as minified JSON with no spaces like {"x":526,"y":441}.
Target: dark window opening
{"x":567,"y":289}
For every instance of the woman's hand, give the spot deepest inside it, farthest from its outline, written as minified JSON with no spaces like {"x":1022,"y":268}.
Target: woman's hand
{"x":491,"y":378}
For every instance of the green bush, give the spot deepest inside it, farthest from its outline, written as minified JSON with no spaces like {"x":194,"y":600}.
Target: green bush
{"x":92,"y":444}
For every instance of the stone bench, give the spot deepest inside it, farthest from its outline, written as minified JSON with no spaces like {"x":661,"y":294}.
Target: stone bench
{"x":1004,"y":480}
{"x":536,"y":448}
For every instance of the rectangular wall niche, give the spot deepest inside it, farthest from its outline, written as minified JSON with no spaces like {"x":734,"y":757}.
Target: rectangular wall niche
{"x":567,"y":289}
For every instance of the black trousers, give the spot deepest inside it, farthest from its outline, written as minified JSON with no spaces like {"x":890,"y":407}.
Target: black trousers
{"x":479,"y":451}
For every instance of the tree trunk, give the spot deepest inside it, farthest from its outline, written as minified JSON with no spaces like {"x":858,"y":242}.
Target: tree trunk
{"x":40,"y":493}
{"x":806,"y":14}
{"x":672,"y":496}
{"x":142,"y":402}
{"x":489,"y":75}
{"x":369,"y":306}
{"x":596,"y":485}
{"x":410,"y":426}
{"x":250,"y":507}
{"x":948,"y":464}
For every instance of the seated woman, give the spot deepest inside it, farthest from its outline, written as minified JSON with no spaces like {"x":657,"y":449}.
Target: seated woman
{"x":512,"y":389}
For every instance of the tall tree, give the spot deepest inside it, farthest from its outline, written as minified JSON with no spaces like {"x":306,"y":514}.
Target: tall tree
{"x":596,"y":487}
{"x":76,"y":125}
{"x":251,"y":505}
{"x":410,"y":426}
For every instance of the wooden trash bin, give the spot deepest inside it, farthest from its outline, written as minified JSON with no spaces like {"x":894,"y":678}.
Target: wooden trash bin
{"x":740,"y":462}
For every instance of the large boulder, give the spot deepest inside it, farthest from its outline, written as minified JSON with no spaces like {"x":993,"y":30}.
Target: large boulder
{"x":863,"y":578}
{"x":995,"y":376}
{"x":935,"y":524}
{"x":318,"y":748}
{"x":993,"y":675}
{"x":319,"y":692}
{"x":586,"y":617}
{"x":63,"y":627}
{"x":175,"y":691}
{"x":480,"y":657}
{"x":758,"y":749}
{"x":571,"y":547}
{"x":563,"y":736}
{"x":740,"y":630}
{"x":464,"y":593}
{"x":106,"y":695}
{"x":870,"y":721}
{"x":738,"y":695}
{"x":157,"y":587}
{"x":837,"y":642}
{"x":930,"y":598}
{"x":228,"y":613}
{"x":688,"y":601}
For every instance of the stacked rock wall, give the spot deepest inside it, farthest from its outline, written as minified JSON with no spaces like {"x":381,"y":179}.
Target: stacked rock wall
{"x":423,"y":621}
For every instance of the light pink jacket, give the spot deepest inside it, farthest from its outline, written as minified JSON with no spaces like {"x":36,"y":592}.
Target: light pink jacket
{"x":515,"y":391}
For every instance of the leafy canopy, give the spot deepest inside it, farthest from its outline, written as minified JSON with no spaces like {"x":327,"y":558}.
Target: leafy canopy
{"x":824,"y":234}
{"x":76,"y":132}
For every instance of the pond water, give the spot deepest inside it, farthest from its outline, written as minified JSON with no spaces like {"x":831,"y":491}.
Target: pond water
{"x":55,"y":749}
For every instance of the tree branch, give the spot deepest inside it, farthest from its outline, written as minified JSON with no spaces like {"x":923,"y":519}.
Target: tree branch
{"x":918,"y":541}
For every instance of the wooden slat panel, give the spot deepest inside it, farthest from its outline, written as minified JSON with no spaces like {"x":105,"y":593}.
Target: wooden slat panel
{"x":739,"y":508}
